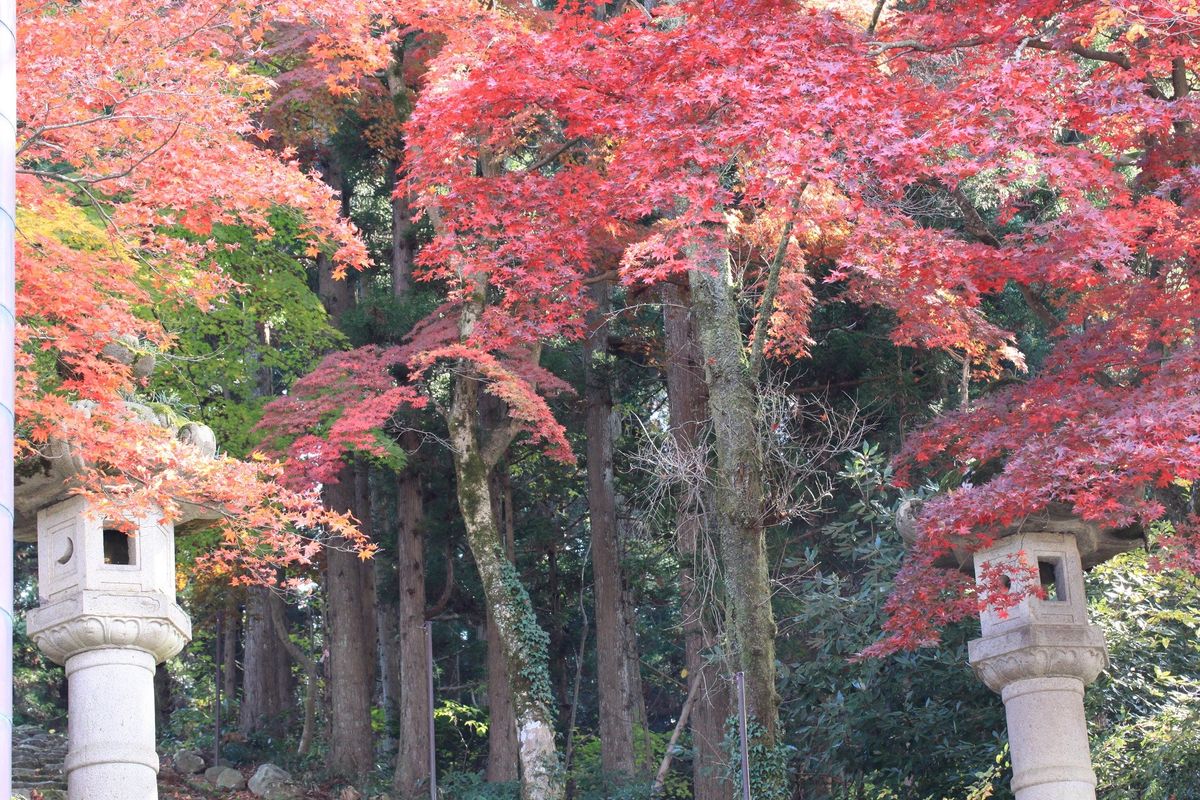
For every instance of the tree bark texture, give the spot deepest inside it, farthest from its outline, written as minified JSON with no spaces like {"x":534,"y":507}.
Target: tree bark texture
{"x":687,"y":404}
{"x":503,"y":753}
{"x":412,"y":762}
{"x":336,"y":294}
{"x":738,"y":481}
{"x":266,"y":670}
{"x":621,"y":705}
{"x":349,"y":592}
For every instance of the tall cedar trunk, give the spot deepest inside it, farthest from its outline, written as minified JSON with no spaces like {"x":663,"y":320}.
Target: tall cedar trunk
{"x":686,"y":399}
{"x":387,"y":612}
{"x":336,"y":294}
{"x":266,"y":670}
{"x":402,"y":242}
{"x":622,"y":708}
{"x":750,"y":622}
{"x":503,"y":754}
{"x":412,"y":763}
{"x":522,"y":640}
{"x":351,"y":639}
{"x":162,"y":696}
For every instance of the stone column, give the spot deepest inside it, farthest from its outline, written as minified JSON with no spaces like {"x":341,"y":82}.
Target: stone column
{"x":1039,"y":655}
{"x":108,"y":614}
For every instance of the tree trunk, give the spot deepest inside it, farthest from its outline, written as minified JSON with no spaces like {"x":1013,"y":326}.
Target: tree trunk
{"x":503,"y":753}
{"x":687,"y":402}
{"x":622,"y":708}
{"x":522,"y":641}
{"x":351,"y":640}
{"x":387,"y":613}
{"x":402,"y":243}
{"x":412,"y":763}
{"x":336,"y":294}
{"x":750,"y":622}
{"x":312,"y":672}
{"x":266,"y":670}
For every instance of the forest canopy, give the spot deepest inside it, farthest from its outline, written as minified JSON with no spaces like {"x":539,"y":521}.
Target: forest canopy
{"x":620,"y":349}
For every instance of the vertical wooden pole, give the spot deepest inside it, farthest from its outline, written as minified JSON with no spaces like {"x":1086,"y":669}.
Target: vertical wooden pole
{"x":8,"y":320}
{"x":741,"y":696}
{"x":217,"y":706}
{"x":433,"y":793}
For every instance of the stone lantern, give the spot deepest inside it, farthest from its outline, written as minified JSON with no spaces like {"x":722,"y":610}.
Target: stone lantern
{"x":108,"y":614}
{"x":1039,"y":652}
{"x":1039,"y":655}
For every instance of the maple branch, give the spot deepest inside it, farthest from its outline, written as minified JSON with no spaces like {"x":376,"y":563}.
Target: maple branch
{"x":37,"y":133}
{"x":1090,"y":53}
{"x":875,"y":17}
{"x":111,"y":176}
{"x":78,"y":184}
{"x":123,"y":173}
{"x":976,"y":226}
{"x":918,"y":46}
{"x":601,"y":277}
{"x":552,"y":156}
{"x":758,"y":342}
{"x":664,"y":768}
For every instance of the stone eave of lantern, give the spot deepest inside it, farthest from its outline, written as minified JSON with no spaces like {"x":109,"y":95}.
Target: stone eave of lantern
{"x":107,"y":613}
{"x":1096,"y":543}
{"x":1040,"y":651}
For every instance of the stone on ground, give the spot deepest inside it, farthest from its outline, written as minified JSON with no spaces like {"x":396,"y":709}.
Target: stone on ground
{"x":272,"y":783}
{"x":188,"y":762}
{"x":225,"y":777}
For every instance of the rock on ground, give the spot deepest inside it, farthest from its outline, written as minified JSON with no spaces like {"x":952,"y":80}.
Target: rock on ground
{"x":188,"y":762}
{"x":272,"y":783}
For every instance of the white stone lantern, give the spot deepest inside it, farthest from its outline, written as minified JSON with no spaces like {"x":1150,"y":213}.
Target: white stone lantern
{"x":1039,"y":654}
{"x":108,"y":614}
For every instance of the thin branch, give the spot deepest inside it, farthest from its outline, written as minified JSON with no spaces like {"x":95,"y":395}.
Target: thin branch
{"x":767,"y":305}
{"x":875,"y":17}
{"x":660,"y":778}
{"x":553,"y":155}
{"x":1090,"y":53}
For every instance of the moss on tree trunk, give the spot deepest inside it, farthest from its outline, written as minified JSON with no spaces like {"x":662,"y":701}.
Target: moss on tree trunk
{"x":738,"y":481}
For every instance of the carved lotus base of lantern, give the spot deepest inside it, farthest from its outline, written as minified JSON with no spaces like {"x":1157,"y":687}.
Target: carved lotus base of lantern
{"x":1039,"y":651}
{"x":110,"y":644}
{"x":1040,"y":672}
{"x":146,"y":621}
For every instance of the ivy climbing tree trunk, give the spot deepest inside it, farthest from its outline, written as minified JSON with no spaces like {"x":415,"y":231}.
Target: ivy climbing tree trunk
{"x":503,"y":755}
{"x":618,"y":674}
{"x":522,"y":641}
{"x":738,"y":481}
{"x":687,"y":408}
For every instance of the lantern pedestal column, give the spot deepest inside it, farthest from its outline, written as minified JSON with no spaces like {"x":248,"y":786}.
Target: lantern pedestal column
{"x":110,"y":645}
{"x":1039,"y":655}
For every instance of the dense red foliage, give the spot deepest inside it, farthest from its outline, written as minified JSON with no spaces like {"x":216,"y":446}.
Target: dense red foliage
{"x":949,"y":152}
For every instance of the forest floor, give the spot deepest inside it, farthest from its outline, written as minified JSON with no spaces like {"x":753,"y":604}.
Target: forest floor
{"x":173,"y":786}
